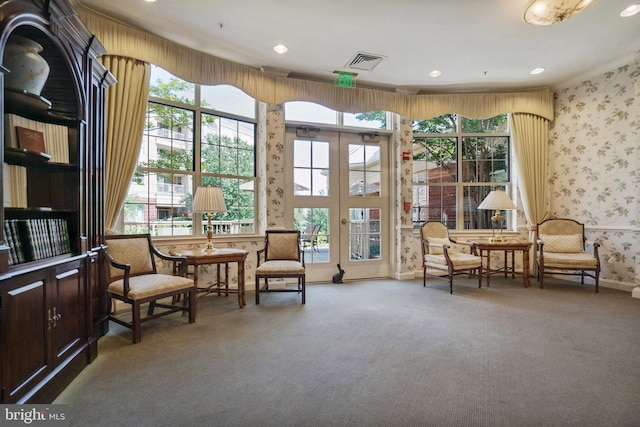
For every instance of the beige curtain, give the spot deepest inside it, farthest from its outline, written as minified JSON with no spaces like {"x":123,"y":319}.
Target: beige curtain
{"x":530,"y":136}
{"x":126,"y":107}
{"x":199,"y":67}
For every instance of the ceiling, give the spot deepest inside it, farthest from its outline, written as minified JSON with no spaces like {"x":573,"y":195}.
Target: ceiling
{"x":478,"y":45}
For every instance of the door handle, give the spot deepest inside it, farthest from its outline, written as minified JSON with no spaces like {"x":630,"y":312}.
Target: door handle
{"x":344,"y":220}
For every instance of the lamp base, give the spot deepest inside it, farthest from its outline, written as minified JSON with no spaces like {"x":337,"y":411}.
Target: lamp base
{"x":496,"y":239}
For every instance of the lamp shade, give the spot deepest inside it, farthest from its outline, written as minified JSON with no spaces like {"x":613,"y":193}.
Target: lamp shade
{"x":208,"y":199}
{"x":497,"y":200}
{"x":547,"y":12}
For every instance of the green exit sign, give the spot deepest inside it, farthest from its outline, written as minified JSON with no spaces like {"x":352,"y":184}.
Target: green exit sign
{"x":345,"y":79}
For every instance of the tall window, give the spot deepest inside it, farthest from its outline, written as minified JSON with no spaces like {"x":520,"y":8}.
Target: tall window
{"x":188,"y":144}
{"x":457,"y":161}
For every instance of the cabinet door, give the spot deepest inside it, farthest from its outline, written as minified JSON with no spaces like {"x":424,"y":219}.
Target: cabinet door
{"x":24,"y":338}
{"x":68,"y":311}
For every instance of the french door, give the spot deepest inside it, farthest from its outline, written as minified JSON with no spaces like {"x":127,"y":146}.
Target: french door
{"x":338,"y":197}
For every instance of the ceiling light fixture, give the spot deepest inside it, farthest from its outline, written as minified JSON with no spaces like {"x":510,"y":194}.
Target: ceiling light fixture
{"x":150,"y":1}
{"x":280,"y":48}
{"x":435,"y":73}
{"x":537,"y":71}
{"x":630,"y":11}
{"x":547,"y":12}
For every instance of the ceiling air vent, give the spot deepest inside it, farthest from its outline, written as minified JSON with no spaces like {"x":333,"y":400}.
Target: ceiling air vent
{"x":364,"y":61}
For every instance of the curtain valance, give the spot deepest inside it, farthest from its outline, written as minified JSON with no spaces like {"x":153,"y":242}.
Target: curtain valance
{"x":198,"y":67}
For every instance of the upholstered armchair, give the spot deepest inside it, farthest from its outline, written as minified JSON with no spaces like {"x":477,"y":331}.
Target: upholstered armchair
{"x":281,"y":258}
{"x":561,"y":249}
{"x":440,"y":252}
{"x":133,"y":279}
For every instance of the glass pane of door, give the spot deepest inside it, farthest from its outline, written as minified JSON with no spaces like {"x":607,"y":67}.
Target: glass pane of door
{"x":313,"y":224}
{"x":310,"y":168}
{"x":364,"y":233}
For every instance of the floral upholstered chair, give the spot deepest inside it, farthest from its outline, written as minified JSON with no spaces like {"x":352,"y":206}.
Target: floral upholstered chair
{"x":439,"y":253}
{"x":561,"y":250}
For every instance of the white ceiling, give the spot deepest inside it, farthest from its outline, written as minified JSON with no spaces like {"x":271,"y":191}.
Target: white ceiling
{"x":478,"y":45}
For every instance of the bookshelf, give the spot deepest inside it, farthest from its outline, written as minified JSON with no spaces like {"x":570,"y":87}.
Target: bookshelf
{"x":51,"y":239}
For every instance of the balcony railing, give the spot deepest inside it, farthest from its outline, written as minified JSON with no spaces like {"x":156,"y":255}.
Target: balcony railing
{"x":185,"y":228}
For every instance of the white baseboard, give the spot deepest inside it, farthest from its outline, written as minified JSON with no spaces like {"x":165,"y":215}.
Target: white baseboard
{"x":408,"y":275}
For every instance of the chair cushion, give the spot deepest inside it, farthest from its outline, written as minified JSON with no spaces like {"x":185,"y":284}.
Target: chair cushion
{"x":280,"y":267}
{"x":460,"y":260}
{"x":436,"y":250}
{"x":576,"y":260}
{"x":134,"y":251}
{"x":149,"y":285}
{"x":283,"y":246}
{"x":563,"y":243}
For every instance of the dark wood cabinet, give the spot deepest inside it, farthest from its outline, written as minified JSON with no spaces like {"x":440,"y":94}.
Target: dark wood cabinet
{"x":44,"y":336}
{"x":52,"y":306}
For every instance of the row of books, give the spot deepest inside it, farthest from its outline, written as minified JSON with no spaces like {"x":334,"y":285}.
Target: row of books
{"x":34,"y":239}
{"x":48,"y":138}
{"x":14,"y":183}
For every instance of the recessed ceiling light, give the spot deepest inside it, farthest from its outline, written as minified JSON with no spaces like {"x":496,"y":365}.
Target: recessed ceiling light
{"x":537,"y":71}
{"x":630,"y":11}
{"x":435,"y":73}
{"x":150,"y":1}
{"x":280,"y":48}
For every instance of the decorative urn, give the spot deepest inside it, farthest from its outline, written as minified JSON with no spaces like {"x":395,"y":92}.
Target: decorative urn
{"x":28,"y":71}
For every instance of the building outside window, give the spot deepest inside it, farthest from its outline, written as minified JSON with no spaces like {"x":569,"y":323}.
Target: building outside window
{"x":187,"y":144}
{"x":457,"y":161}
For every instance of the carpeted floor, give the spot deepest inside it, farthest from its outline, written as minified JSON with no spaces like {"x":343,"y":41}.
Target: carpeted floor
{"x":376,"y":353}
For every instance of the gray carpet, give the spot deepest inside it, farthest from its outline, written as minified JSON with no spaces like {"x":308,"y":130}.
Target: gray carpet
{"x":376,"y":353}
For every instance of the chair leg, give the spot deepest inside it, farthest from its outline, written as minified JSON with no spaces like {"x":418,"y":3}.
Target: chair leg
{"x":303,"y":291}
{"x":424,"y":277}
{"x":541,"y":276}
{"x":192,"y":306}
{"x":152,"y":307}
{"x":597,"y":274}
{"x":135,"y":320}
{"x":257,"y":291}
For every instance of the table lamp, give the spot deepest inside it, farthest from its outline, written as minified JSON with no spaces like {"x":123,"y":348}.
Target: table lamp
{"x":497,"y":199}
{"x":209,"y":199}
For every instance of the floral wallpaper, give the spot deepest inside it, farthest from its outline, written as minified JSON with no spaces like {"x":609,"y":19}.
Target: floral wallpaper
{"x":275,"y":166}
{"x":594,"y":167}
{"x":407,"y":257}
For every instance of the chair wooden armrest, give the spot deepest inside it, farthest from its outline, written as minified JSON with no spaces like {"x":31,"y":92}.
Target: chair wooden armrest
{"x":126,"y":269}
{"x":594,"y":245}
{"x":179,"y":262}
{"x":301,"y":252}
{"x":472,"y":246}
{"x":258,"y":253}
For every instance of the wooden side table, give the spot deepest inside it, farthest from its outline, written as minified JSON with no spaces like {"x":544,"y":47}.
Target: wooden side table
{"x":508,"y":246}
{"x":219,"y":256}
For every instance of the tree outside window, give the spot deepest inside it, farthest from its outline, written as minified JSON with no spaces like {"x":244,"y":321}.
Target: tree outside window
{"x":171,"y":165}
